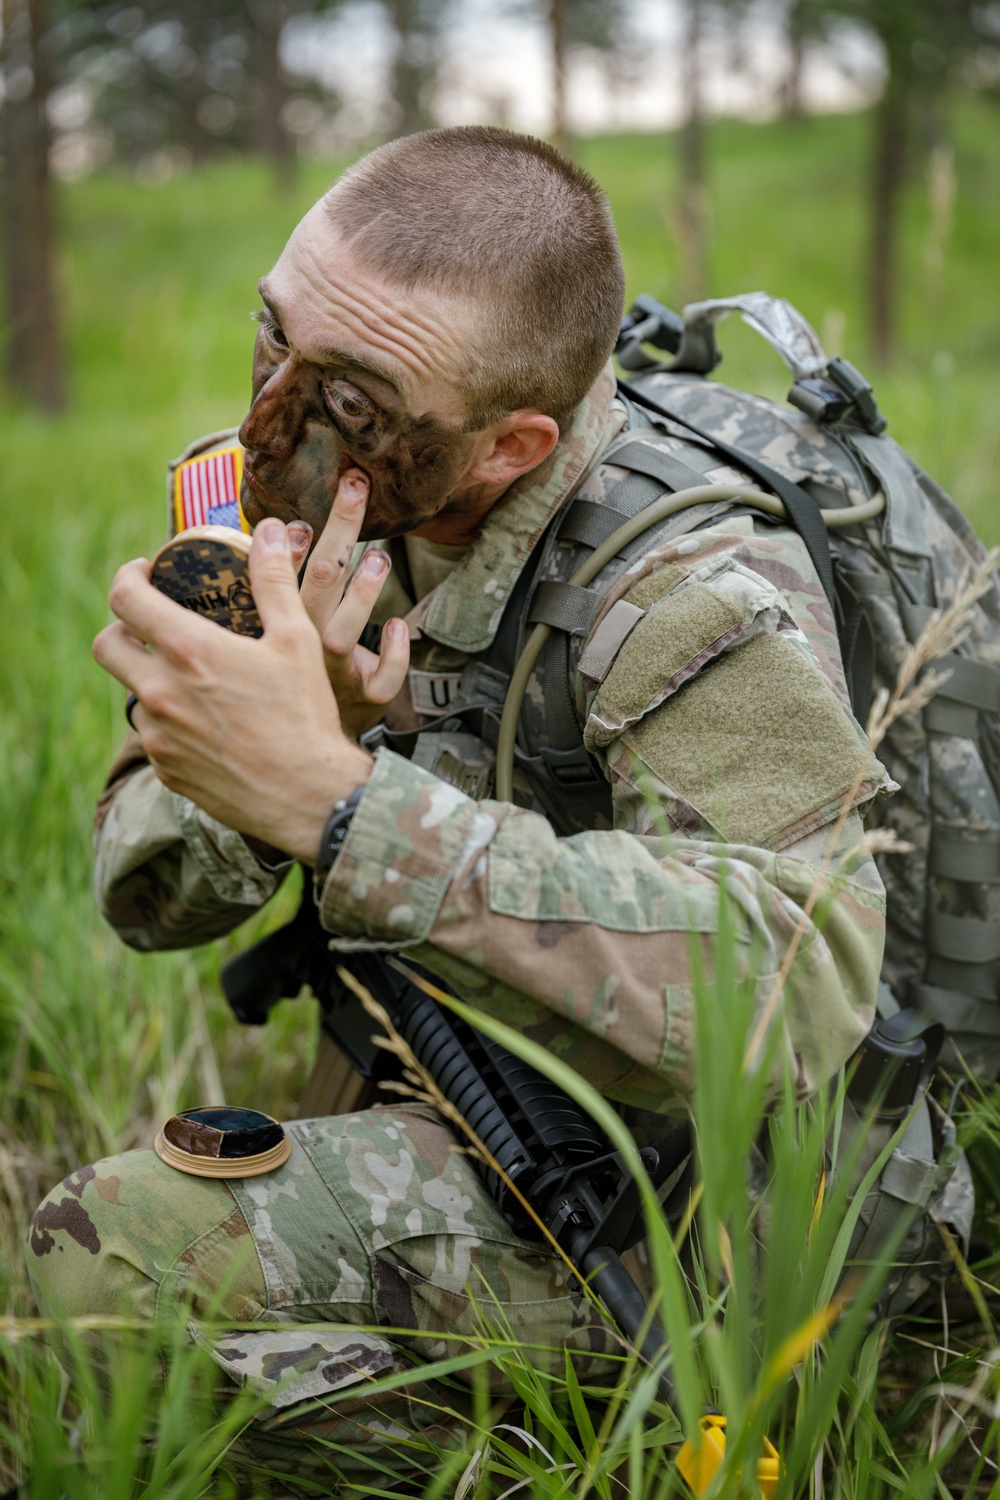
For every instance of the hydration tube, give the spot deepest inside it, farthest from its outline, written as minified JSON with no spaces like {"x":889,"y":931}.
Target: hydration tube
{"x":660,"y":510}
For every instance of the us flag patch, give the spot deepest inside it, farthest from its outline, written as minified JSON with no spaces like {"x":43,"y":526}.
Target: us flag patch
{"x":207,"y":490}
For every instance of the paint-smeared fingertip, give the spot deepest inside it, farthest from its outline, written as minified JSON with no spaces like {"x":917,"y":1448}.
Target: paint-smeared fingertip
{"x":355,"y":481}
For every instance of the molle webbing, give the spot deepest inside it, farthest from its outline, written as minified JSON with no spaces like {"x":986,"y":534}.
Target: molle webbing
{"x":963,"y":951}
{"x":957,"y":856}
{"x":564,"y":606}
{"x":653,"y":470}
{"x":973,"y":687}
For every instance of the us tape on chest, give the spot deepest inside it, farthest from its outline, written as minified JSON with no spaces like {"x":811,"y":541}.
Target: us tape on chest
{"x":433,"y":693}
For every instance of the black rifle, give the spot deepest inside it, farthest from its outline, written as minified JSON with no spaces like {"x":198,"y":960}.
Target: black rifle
{"x":544,"y":1144}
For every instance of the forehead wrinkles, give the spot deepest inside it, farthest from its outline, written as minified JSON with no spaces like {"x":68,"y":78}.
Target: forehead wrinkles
{"x":414,"y":334}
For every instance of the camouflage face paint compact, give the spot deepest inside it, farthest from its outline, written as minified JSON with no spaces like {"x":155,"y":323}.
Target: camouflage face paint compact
{"x":222,"y":1140}
{"x":205,"y":569}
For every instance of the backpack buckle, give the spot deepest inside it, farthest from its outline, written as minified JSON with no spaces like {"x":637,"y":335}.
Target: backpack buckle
{"x":831,"y":397}
{"x":647,"y":322}
{"x":574,"y":769}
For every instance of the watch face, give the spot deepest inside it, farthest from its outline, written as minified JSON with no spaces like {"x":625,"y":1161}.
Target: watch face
{"x":335,"y":834}
{"x":205,"y":569}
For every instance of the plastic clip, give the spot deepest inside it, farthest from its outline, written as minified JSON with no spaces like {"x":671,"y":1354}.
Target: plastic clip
{"x":830,"y":398}
{"x":571,"y":768}
{"x":647,"y":322}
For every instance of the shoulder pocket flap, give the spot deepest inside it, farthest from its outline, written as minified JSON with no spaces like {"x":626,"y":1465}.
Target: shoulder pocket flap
{"x":759,"y":745}
{"x":697,"y":621}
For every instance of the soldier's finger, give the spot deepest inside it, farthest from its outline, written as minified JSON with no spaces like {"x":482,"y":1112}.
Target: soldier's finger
{"x":273,"y":578}
{"x":122,"y":654}
{"x":344,"y":628}
{"x":155,"y":619}
{"x":131,"y":595}
{"x":393,"y":663}
{"x":326,"y":571}
{"x":299,"y":536}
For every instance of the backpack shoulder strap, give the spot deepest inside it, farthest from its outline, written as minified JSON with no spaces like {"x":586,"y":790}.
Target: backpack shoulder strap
{"x":800,"y":505}
{"x":857,"y":644}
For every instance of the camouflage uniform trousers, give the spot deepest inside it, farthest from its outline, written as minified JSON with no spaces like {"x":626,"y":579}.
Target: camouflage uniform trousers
{"x":377,"y":1218}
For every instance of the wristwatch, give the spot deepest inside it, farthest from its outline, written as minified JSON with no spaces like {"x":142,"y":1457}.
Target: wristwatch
{"x":335,"y":833}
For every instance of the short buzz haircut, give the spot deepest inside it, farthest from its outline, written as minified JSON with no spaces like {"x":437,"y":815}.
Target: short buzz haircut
{"x":505,"y":222}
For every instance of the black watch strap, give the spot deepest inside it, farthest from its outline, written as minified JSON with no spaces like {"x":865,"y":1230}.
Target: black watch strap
{"x":335,"y":833}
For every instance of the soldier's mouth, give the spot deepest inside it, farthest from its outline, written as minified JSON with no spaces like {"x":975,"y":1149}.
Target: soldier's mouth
{"x":261,"y":501}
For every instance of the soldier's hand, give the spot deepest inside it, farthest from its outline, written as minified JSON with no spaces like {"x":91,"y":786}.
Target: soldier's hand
{"x":364,"y":682}
{"x":247,"y":729}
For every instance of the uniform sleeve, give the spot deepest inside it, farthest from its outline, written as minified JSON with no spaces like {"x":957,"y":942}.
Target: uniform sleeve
{"x":166,"y":874}
{"x":730,"y":758}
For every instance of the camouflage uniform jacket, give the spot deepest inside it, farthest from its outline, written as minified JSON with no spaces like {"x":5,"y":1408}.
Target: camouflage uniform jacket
{"x":722,"y":725}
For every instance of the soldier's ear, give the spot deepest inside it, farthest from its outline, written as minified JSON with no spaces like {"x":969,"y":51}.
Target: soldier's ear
{"x":516,"y":445}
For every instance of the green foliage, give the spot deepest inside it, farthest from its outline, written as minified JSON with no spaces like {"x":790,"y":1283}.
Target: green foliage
{"x":98,"y":1044}
{"x":133,"y":1412}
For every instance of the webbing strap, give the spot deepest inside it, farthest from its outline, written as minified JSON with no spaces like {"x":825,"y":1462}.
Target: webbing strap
{"x":972,"y":688}
{"x":941,"y":717}
{"x":634,"y":494}
{"x":589,"y":523}
{"x":564,"y":606}
{"x":803,"y":512}
{"x":906,"y":1182}
{"x":657,"y":463}
{"x":967,"y":940}
{"x":965,"y":856}
{"x":957,"y":1010}
{"x":980,"y":980}
{"x":914,"y":617}
{"x":974,"y":683}
{"x":908,"y":1178}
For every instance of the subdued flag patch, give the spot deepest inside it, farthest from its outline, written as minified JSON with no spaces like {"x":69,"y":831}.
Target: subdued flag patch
{"x":207,"y":490}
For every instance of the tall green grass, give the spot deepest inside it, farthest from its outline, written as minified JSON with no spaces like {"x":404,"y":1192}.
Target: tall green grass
{"x":98,"y":1045}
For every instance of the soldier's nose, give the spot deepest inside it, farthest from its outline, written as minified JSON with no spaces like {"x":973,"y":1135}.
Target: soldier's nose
{"x":275,"y":423}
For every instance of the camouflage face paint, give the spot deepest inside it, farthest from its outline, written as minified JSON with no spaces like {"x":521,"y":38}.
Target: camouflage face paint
{"x":306,"y":426}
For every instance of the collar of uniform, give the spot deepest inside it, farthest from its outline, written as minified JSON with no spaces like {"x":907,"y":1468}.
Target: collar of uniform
{"x":464,"y":611}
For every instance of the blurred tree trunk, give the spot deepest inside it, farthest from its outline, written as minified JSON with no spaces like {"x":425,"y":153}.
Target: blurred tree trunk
{"x":558,"y":30}
{"x":692,"y":209}
{"x":271,"y":17}
{"x":410,"y":68}
{"x":888,"y":176}
{"x":791,"y":84}
{"x":193,"y":86}
{"x":34,"y":352}
{"x":890,"y":156}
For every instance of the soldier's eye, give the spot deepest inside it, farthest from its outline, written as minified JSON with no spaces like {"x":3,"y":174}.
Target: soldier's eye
{"x":272,"y":328}
{"x":350,"y":404}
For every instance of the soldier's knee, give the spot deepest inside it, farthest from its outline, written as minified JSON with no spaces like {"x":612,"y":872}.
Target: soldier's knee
{"x":115,"y":1235}
{"x":75,"y":1242}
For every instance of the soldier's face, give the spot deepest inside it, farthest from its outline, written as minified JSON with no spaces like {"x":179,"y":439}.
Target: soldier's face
{"x":349,"y":371}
